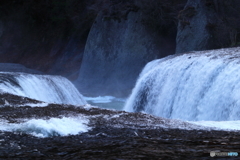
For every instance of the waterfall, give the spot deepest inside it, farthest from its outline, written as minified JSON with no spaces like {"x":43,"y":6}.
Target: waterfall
{"x":52,"y":89}
{"x":194,"y":86}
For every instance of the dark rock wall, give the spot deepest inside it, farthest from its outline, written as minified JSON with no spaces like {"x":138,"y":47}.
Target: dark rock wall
{"x":12,"y":67}
{"x":123,"y":38}
{"x":208,"y":24}
{"x":47,"y":35}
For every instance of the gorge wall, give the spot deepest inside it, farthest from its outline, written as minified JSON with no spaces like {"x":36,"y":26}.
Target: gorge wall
{"x":123,"y":38}
{"x":208,"y":24}
{"x":45,"y":35}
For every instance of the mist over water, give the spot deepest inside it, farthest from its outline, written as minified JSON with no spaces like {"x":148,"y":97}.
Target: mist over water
{"x":195,"y":86}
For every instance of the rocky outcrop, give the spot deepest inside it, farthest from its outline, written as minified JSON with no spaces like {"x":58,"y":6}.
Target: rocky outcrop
{"x":122,"y":40}
{"x":208,"y":24}
{"x":113,"y":135}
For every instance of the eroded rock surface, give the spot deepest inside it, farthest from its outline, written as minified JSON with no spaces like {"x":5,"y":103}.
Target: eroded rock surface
{"x":114,"y":135}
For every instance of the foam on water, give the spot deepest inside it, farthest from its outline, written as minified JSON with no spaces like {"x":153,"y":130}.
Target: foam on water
{"x":52,"y":89}
{"x":100,"y":99}
{"x":221,"y":125}
{"x":34,"y":104}
{"x":195,"y":86}
{"x":43,"y":104}
{"x":52,"y":127}
{"x":108,"y":102}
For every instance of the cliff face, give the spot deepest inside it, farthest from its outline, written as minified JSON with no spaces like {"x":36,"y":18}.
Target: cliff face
{"x":208,"y":24}
{"x":123,"y":38}
{"x":46,"y":35}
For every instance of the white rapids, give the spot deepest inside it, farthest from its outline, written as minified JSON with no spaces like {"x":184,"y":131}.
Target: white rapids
{"x":44,"y":128}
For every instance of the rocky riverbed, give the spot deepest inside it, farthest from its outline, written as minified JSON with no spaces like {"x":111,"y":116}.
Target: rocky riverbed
{"x":111,"y":134}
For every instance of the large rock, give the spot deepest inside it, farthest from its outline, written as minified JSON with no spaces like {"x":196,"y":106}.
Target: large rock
{"x":208,"y":24}
{"x":122,"y":40}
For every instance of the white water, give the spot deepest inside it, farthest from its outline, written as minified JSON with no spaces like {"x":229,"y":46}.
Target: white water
{"x":100,"y":99}
{"x":45,"y":128}
{"x":220,"y":125}
{"x":52,"y":89}
{"x":195,"y":86}
{"x":43,"y":104}
{"x":107,"y":102}
{"x":79,"y":124}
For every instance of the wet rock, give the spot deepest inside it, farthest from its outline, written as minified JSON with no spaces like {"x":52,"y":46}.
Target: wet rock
{"x":127,"y":137}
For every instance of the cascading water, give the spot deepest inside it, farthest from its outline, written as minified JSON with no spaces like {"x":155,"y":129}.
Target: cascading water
{"x":195,"y":86}
{"x":52,"y":89}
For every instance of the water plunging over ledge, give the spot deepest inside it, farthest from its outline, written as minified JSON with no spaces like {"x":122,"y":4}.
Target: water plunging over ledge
{"x":195,"y":86}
